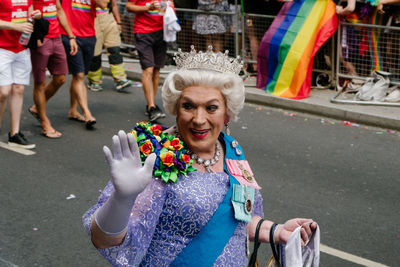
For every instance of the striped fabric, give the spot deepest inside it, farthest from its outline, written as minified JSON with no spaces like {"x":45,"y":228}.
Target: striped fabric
{"x":234,"y":168}
{"x":286,"y":53}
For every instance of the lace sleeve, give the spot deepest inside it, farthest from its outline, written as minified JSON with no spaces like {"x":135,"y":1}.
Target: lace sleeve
{"x":258,"y":204}
{"x":141,"y":225}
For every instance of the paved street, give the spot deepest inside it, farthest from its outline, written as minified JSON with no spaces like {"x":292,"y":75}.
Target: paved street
{"x":345,"y":177}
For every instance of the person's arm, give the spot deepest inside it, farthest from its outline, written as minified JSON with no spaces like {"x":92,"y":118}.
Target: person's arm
{"x":351,"y":6}
{"x":101,"y":3}
{"x":116,"y":14}
{"x":385,"y":2}
{"x":132,"y":7}
{"x":130,"y":178}
{"x":21,"y":27}
{"x":282,"y":231}
{"x":35,"y":14}
{"x":62,"y":18}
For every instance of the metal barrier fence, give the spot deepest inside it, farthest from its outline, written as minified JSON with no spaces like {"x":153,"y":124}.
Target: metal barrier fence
{"x":242,"y":37}
{"x":364,"y":49}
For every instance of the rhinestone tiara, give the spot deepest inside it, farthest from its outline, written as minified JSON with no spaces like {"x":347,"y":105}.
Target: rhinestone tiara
{"x":209,"y":60}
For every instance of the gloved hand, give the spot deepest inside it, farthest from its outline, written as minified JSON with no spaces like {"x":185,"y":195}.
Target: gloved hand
{"x":129,"y":178}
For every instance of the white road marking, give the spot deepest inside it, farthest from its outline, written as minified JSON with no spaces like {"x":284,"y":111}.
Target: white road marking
{"x":22,"y":151}
{"x":350,"y":257}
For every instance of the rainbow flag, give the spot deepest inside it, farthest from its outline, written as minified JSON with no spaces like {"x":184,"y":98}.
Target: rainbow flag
{"x":375,"y":38}
{"x":286,"y":52}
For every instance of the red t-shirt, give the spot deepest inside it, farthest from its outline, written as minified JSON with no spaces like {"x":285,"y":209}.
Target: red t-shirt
{"x":15,"y":11}
{"x":49,"y":12}
{"x":80,"y":15}
{"x":146,"y":22}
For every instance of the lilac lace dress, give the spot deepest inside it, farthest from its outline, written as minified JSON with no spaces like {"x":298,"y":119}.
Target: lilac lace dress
{"x":166,"y":217}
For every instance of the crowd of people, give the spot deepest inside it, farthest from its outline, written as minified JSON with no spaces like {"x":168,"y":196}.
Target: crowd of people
{"x":67,"y":37}
{"x":78,"y":32}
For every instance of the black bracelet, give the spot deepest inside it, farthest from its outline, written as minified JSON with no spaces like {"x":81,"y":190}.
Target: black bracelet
{"x":71,"y":37}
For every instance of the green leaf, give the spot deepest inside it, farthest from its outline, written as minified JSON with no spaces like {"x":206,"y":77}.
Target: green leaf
{"x":165,"y":176}
{"x":158,"y":173}
{"x":141,"y":137}
{"x":174,"y":175}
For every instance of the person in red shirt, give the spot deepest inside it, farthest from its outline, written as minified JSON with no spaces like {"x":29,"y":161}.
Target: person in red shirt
{"x":15,"y":64}
{"x":81,"y":15}
{"x":51,"y":55}
{"x":152,"y":49}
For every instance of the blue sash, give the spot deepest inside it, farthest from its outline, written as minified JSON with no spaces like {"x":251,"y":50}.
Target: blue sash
{"x":209,"y":243}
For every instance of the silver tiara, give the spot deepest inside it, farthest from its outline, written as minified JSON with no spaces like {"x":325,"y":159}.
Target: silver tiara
{"x":209,"y":60}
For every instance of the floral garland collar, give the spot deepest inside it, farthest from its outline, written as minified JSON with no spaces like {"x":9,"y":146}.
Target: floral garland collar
{"x":173,"y":159}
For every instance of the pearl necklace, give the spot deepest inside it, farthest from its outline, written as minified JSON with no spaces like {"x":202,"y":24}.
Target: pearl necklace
{"x":208,"y":162}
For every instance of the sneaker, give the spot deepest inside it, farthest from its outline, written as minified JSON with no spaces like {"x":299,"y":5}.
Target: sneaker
{"x":19,"y":140}
{"x":162,"y":114}
{"x":157,"y":108}
{"x":154,"y":114}
{"x":95,"y":87}
{"x":121,"y":85}
{"x":394,"y":96}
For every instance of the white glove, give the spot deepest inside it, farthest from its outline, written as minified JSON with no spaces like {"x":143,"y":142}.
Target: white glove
{"x":129,"y":178}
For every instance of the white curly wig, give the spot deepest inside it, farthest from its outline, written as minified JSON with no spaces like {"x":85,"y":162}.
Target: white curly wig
{"x":231,"y":86}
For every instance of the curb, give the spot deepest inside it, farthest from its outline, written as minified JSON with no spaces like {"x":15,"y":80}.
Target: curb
{"x":257,"y":96}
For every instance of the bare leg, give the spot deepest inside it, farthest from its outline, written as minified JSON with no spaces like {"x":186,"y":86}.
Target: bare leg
{"x":78,"y":95}
{"x":41,"y":94}
{"x":156,"y":80}
{"x":214,"y":40}
{"x":15,"y":107}
{"x":253,"y":45}
{"x":351,"y":70}
{"x":4,"y":92}
{"x":148,"y":86}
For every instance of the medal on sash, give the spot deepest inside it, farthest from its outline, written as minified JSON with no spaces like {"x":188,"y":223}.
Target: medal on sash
{"x":243,"y":202}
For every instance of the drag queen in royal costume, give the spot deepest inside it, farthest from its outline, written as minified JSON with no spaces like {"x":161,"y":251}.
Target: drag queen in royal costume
{"x":185,"y":196}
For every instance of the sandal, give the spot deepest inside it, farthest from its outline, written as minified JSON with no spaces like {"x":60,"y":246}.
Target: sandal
{"x":78,"y":118}
{"x":34,"y":114}
{"x":51,"y":134}
{"x":89,"y":124}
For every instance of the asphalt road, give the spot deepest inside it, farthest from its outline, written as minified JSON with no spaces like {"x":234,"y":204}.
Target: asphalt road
{"x":346,"y":178}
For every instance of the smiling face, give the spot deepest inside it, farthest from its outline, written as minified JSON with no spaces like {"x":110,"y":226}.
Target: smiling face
{"x":201,"y":115}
